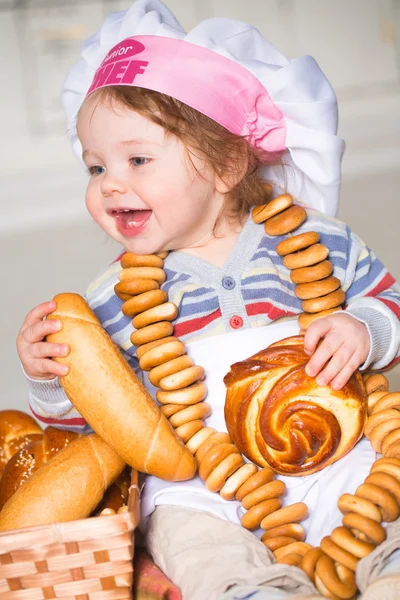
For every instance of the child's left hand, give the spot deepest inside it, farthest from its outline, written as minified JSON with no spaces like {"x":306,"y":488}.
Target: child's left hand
{"x":344,"y":348}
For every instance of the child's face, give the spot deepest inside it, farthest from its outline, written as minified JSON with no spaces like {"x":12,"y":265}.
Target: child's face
{"x":143,"y":191}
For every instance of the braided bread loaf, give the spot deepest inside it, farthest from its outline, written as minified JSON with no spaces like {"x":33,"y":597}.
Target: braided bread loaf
{"x":17,"y":429}
{"x":67,"y":487}
{"x":279,"y":417}
{"x":36,"y":450}
{"x":30,"y":458}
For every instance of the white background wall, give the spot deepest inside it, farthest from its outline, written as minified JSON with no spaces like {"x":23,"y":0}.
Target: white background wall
{"x":47,"y":242}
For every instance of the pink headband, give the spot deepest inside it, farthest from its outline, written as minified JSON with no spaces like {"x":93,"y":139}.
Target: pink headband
{"x":212,"y":84}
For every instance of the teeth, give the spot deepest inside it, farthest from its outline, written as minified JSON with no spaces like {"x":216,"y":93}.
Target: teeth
{"x":125,"y":210}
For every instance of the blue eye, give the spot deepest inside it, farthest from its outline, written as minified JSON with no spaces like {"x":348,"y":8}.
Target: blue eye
{"x":96,"y":170}
{"x":138,"y":161}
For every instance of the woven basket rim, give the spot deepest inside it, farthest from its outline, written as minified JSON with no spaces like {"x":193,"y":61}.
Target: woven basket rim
{"x":132,"y":515}
{"x":91,"y":528}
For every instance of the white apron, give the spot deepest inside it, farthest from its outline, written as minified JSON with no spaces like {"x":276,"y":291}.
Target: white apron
{"x":320,"y":491}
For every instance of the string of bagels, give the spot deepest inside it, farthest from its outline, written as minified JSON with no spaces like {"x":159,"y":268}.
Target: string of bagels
{"x":331,"y":566}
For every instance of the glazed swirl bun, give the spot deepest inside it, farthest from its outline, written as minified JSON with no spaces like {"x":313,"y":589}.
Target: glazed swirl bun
{"x":279,"y":417}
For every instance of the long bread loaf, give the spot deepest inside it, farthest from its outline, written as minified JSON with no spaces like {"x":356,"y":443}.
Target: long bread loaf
{"x":68,"y":487}
{"x":108,"y":394}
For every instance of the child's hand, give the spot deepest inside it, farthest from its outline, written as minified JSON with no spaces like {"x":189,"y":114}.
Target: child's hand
{"x":35,"y":353}
{"x":344,"y":348}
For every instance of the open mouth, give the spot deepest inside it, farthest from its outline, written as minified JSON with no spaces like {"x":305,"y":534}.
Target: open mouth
{"x":130,"y":221}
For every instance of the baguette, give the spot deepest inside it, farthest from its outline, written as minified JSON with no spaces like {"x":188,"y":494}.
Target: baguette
{"x":108,"y":394}
{"x":68,"y":487}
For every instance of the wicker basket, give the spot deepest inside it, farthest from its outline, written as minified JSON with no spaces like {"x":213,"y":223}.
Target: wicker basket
{"x":89,"y":559}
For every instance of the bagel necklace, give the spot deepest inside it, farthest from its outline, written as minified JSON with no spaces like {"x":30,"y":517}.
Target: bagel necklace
{"x":331,"y":566}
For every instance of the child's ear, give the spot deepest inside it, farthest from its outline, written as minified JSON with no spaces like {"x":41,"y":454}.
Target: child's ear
{"x":234,"y":173}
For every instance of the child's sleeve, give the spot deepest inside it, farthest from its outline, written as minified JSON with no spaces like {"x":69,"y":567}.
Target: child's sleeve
{"x":50,"y":405}
{"x":373,"y":297}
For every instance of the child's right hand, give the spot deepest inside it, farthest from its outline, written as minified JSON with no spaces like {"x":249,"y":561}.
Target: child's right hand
{"x":34,"y":352}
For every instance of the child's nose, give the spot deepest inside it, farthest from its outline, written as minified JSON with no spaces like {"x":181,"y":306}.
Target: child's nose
{"x":112,"y":184}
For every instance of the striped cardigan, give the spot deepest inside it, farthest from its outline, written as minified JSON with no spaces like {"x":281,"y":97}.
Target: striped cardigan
{"x":252,"y":289}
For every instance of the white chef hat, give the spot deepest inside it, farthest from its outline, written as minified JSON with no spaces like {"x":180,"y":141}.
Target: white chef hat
{"x":225,"y":69}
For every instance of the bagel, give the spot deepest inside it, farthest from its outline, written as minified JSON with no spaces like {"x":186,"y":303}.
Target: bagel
{"x":332,"y":300}
{"x":293,"y":530}
{"x":382,"y":498}
{"x":174,"y":361}
{"x":313,"y":273}
{"x":130,"y":259}
{"x":338,"y":554}
{"x":372,"y":532}
{"x":155,"y":273}
{"x":141,"y":350}
{"x":305,"y":258}
{"x":272,"y":208}
{"x":167,"y":311}
{"x":343,"y":538}
{"x":297,"y":242}
{"x":315,"y":289}
{"x":219,"y":437}
{"x":222,"y":471}
{"x":134,"y":287}
{"x":273,"y":489}
{"x":262,"y":476}
{"x":188,"y":430}
{"x":163,"y":353}
{"x":377,"y":383}
{"x":143,"y":302}
{"x":252,"y":519}
{"x":181,"y":379}
{"x":286,"y":221}
{"x":199,"y":438}
{"x":202,"y":410}
{"x":236,"y":480}
{"x":363,"y":506}
{"x":190,"y":395}
{"x":151,"y":333}
{"x":289,"y":514}
{"x":214,"y":457}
